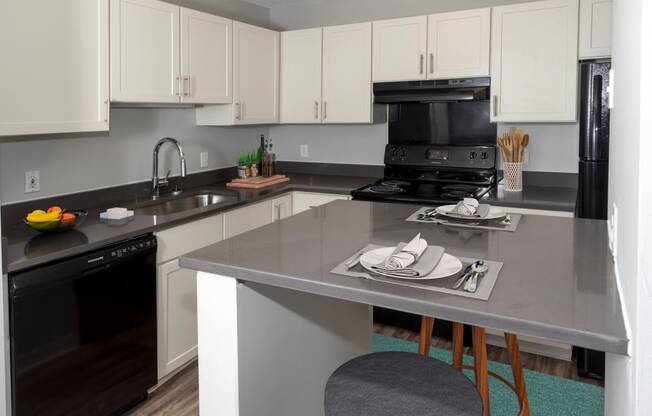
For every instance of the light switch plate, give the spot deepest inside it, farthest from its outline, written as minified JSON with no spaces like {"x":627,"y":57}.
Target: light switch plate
{"x":32,"y":181}
{"x":303,"y":149}
{"x":203,"y":159}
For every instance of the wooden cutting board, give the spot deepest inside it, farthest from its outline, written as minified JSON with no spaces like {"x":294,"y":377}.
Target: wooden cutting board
{"x":258,"y":182}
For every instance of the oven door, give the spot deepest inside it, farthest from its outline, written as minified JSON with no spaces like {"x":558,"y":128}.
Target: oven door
{"x":83,"y":334}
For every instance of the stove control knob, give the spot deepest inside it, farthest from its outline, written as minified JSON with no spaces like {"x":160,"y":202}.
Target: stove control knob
{"x":472,"y":155}
{"x":484,"y":155}
{"x":403,"y":153}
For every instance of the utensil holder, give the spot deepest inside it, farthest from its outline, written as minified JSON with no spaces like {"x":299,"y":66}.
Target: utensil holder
{"x":513,"y":176}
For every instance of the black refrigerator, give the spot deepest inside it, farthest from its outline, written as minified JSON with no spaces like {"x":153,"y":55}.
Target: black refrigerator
{"x":593,"y":172}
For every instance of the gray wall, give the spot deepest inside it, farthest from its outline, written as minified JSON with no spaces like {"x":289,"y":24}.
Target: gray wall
{"x":123,"y":156}
{"x":553,"y":148}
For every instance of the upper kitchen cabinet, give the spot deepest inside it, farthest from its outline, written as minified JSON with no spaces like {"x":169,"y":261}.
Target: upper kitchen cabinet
{"x":255,"y":80}
{"x":256,"y":74}
{"x":301,"y":67}
{"x":534,"y":62}
{"x":595,"y":29}
{"x":54,"y":81}
{"x":347,"y":90}
{"x":458,"y":44}
{"x":145,"y":60}
{"x":399,"y":49}
{"x":206,"y":64}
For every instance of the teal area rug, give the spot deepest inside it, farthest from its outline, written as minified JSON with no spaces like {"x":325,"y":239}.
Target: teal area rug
{"x":548,"y":395}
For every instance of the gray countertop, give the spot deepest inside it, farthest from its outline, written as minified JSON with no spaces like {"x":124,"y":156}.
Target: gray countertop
{"x":26,"y":248}
{"x":556,"y":283}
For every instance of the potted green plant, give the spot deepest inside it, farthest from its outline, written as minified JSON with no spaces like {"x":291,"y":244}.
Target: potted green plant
{"x":242,"y":166}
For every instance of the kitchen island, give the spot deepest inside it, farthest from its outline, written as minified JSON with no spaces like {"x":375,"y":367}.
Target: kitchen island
{"x":274,"y":322}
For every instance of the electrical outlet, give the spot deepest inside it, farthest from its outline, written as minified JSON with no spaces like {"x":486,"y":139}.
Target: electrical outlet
{"x":303,"y":149}
{"x":203,"y":159}
{"x":612,"y":229}
{"x":32,"y":181}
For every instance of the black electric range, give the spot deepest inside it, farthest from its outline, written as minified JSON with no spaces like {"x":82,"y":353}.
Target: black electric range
{"x":433,"y":174}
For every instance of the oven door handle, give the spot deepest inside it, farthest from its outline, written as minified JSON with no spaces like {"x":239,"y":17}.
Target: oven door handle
{"x":96,"y":270}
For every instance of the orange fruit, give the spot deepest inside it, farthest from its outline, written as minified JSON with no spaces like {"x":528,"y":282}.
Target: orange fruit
{"x":54,"y":209}
{"x":68,"y":216}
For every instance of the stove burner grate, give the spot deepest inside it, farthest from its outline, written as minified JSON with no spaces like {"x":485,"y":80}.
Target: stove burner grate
{"x":385,"y":189}
{"x":394,"y":183}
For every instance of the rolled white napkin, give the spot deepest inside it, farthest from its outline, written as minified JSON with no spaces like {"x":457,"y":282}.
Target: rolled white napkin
{"x":409,"y":254}
{"x":467,"y":207}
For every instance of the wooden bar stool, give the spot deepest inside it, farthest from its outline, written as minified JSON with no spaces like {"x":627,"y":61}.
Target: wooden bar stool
{"x":400,"y":383}
{"x":480,"y":361}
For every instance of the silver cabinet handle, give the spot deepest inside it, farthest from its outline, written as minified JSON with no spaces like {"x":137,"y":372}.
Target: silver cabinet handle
{"x":316,"y":110}
{"x":324,"y":110}
{"x":238,"y":112}
{"x":495,"y":105}
{"x":177,"y":91}
{"x":186,"y":86}
{"x":107,"y":109}
{"x":421,"y":58}
{"x":432,"y":63}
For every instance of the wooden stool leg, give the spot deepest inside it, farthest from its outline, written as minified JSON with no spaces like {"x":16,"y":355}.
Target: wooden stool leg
{"x":425,"y":336}
{"x":517,"y":371}
{"x":458,"y":344}
{"x":481,"y":366}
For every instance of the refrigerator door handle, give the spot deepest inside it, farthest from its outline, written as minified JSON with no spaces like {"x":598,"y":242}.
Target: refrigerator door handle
{"x":596,"y":119}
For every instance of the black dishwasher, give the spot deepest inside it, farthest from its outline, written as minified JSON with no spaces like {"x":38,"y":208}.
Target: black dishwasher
{"x":83,"y":332}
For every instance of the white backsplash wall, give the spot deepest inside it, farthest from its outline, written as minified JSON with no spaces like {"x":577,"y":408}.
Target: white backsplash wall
{"x":553,"y":147}
{"x":123,"y":156}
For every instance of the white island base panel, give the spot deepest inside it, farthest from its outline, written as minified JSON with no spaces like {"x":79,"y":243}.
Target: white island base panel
{"x":269,"y":351}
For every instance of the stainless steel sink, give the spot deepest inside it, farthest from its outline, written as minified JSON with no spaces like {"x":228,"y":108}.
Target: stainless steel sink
{"x":182,"y":203}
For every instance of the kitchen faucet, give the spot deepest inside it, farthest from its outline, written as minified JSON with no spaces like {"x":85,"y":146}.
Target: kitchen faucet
{"x":157,"y":182}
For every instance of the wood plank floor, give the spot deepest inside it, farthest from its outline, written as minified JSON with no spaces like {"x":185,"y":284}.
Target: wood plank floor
{"x":179,"y":396}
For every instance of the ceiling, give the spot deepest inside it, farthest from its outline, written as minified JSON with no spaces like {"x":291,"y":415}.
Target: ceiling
{"x":274,"y":3}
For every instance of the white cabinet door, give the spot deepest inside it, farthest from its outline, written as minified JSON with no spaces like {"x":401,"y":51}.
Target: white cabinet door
{"x":534,"y":62}
{"x":399,"y":49}
{"x":595,"y":28}
{"x":177,"y":241}
{"x":248,"y":218}
{"x":281,"y":207}
{"x":206,"y":64}
{"x":458,"y":44}
{"x":55,"y":70}
{"x":347,"y":91}
{"x":303,"y":201}
{"x":255,"y":74}
{"x":177,"y":317}
{"x":301,"y":52}
{"x":144,"y":51}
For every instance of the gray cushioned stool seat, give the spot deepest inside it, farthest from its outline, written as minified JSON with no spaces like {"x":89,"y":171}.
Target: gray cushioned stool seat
{"x":400,"y":384}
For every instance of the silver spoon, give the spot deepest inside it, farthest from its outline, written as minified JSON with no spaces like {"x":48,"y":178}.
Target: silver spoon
{"x":478,"y":269}
{"x":465,"y":275}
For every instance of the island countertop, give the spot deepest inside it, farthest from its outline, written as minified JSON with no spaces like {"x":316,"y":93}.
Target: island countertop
{"x":557,"y":281}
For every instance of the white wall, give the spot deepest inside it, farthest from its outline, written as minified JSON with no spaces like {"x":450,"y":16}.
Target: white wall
{"x":123,"y":156}
{"x":553,"y":147}
{"x":630,"y":378}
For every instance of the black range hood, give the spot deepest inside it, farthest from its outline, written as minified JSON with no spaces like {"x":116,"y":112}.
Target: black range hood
{"x":466,"y":89}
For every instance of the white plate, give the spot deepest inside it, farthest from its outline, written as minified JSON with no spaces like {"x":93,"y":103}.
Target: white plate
{"x":494,"y":213}
{"x":447,"y":266}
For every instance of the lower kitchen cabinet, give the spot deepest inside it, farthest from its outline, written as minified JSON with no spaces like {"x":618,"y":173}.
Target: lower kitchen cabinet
{"x":282,"y":207}
{"x":303,"y":201}
{"x":177,"y":316}
{"x":247,"y":218}
{"x":177,"y":293}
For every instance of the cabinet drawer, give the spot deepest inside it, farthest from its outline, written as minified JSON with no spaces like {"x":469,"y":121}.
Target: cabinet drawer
{"x":303,"y":201}
{"x":177,"y":241}
{"x":248,"y":218}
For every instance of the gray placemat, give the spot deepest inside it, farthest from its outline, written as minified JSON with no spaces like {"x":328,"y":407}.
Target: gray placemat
{"x":485,"y":283}
{"x":497,"y":224}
